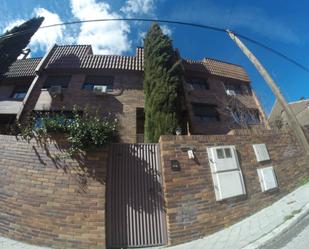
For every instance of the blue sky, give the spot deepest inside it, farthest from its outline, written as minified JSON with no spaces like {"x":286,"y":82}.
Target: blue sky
{"x":279,"y":24}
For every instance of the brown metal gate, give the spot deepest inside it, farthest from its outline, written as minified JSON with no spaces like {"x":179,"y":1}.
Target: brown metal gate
{"x":135,"y":209}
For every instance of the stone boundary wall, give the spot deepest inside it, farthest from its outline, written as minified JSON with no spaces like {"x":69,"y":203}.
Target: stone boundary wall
{"x":50,"y":199}
{"x":192,"y":210}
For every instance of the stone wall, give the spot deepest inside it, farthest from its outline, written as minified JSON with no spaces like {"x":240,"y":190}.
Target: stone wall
{"x":48,"y":198}
{"x":192,"y":210}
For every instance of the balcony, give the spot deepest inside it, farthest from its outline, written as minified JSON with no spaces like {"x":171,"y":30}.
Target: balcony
{"x":10,"y":106}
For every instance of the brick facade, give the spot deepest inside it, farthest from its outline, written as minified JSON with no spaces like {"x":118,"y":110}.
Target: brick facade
{"x":78,"y":61}
{"x":216,"y":95}
{"x":50,"y":199}
{"x":123,"y":106}
{"x":192,"y":210}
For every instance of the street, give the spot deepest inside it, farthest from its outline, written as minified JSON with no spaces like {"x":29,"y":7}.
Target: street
{"x":297,"y":237}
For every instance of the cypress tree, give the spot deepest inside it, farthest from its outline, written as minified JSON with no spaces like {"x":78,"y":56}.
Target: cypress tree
{"x":11,"y":46}
{"x":162,"y":85}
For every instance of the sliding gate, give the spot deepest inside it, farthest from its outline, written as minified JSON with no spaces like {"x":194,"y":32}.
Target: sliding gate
{"x":135,"y":209}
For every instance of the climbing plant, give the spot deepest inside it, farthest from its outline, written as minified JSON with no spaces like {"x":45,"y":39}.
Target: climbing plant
{"x":84,"y":130}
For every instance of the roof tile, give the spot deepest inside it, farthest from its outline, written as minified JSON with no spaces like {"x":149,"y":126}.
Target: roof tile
{"x":23,"y":68}
{"x":81,"y":56}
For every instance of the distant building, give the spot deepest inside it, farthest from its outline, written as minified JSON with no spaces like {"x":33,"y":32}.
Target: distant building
{"x":300,"y":109}
{"x":72,"y":75}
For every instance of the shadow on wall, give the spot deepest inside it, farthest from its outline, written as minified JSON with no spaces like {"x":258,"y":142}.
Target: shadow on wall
{"x":135,"y":203}
{"x":80,"y":167}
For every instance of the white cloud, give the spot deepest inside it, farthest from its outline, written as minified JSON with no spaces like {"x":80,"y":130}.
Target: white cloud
{"x":138,"y":7}
{"x":166,"y":30}
{"x":140,"y":37}
{"x":43,"y":39}
{"x":105,"y":37}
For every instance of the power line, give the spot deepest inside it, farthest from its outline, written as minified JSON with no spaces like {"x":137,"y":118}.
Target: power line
{"x":213,"y":28}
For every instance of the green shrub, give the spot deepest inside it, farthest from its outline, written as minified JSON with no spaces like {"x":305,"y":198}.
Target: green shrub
{"x":84,"y":131}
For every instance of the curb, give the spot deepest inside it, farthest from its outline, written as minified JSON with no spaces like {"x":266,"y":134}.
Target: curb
{"x":281,"y":229}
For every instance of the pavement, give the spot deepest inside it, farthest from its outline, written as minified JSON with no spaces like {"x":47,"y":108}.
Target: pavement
{"x":6,"y":243}
{"x":296,"y":237}
{"x":261,"y":228}
{"x":259,"y":231}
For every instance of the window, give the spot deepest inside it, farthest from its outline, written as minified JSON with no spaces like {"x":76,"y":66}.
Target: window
{"x":248,"y":116}
{"x":19,"y":92}
{"x":59,"y":80}
{"x":105,"y":82}
{"x":57,"y":116}
{"x":253,"y":116}
{"x":140,"y":123}
{"x":224,"y":153}
{"x":19,"y":95}
{"x":198,"y":83}
{"x":206,"y":112}
{"x":233,"y":89}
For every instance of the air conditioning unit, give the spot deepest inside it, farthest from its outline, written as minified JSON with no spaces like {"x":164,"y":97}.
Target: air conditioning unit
{"x":100,"y":89}
{"x":55,"y":90}
{"x":230,"y":92}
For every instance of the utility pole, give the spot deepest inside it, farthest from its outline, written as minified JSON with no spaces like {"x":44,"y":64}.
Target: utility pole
{"x":292,"y":120}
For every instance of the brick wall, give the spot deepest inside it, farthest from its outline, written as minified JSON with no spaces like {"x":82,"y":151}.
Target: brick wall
{"x":192,"y":210}
{"x":48,"y":198}
{"x":124,"y":105}
{"x":216,"y":95}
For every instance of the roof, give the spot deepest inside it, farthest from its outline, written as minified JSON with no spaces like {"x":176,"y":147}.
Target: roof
{"x":82,"y":57}
{"x":67,"y":56}
{"x":218,"y":68}
{"x":23,"y":68}
{"x":297,"y":107}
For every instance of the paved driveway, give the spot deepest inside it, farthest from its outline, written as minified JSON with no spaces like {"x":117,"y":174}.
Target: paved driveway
{"x":295,"y":238}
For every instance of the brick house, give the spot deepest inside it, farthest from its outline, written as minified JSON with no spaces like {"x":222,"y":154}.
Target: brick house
{"x":277,"y":116}
{"x":72,"y":75}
